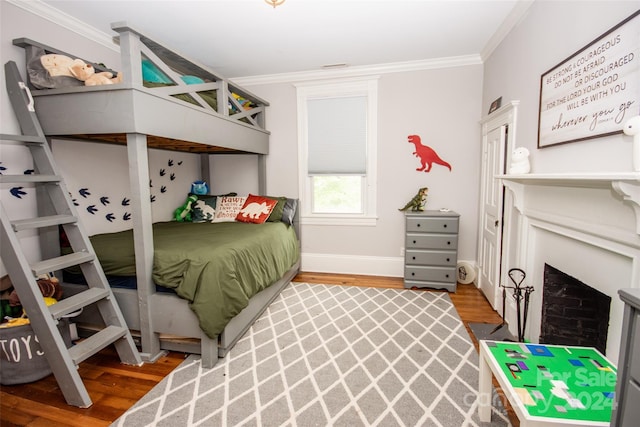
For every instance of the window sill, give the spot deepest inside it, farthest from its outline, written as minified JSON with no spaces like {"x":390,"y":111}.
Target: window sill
{"x":343,"y":220}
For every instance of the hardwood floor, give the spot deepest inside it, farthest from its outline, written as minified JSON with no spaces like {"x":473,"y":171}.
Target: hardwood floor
{"x":114,"y":387}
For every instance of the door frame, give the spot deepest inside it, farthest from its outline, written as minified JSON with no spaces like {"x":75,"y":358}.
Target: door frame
{"x":504,"y":116}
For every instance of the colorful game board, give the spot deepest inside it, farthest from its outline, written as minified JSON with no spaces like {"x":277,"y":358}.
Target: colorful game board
{"x":576,"y":383}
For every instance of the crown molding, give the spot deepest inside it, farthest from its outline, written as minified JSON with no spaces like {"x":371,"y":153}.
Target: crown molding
{"x":515,"y":16}
{"x":344,"y":72}
{"x":45,"y":11}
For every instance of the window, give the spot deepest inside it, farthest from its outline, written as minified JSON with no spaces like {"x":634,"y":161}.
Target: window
{"x":337,"y":151}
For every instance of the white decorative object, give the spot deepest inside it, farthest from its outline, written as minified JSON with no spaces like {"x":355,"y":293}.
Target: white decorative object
{"x":632,"y":128}
{"x":465,"y":273}
{"x":520,"y":161}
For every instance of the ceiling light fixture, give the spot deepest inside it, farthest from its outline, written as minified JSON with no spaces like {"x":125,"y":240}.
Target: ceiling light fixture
{"x":274,"y":3}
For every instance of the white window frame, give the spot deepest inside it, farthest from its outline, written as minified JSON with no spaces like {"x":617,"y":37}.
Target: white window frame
{"x":333,"y":89}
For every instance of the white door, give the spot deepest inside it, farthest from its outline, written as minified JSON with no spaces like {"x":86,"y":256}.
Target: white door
{"x":491,"y":211}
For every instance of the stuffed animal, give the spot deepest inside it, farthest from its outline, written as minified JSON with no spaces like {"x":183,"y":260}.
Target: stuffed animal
{"x":49,"y":286}
{"x":59,"y":65}
{"x":183,"y":213}
{"x":87,"y":74}
{"x":520,"y":161}
{"x":199,"y":187}
{"x":418,"y":201}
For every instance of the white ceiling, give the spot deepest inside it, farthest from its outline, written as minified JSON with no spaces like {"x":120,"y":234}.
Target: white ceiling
{"x":240,"y":38}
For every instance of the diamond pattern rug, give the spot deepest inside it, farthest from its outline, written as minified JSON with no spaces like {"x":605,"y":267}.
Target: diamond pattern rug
{"x":330,"y":355}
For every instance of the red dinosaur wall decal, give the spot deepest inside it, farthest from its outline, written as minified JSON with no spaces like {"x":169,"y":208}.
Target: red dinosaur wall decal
{"x":426,"y":154}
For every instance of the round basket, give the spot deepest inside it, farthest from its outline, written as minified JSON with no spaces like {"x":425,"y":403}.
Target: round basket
{"x":21,"y":358}
{"x":465,"y":272}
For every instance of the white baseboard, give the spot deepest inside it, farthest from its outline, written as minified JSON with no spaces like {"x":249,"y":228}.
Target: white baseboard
{"x":354,"y":264}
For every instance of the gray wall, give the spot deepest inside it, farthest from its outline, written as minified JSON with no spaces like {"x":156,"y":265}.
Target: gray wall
{"x":550,"y":32}
{"x":443,"y":106}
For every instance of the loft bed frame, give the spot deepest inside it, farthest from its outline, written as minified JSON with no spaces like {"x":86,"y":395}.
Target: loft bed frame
{"x":127,"y":113}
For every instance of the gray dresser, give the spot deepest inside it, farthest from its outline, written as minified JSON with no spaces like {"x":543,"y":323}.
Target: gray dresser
{"x":431,"y":250}
{"x":626,"y":410}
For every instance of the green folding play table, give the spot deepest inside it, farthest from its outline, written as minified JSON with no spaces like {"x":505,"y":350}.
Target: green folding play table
{"x":548,"y":385}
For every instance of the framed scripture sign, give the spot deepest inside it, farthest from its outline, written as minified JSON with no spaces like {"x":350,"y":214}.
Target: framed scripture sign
{"x":594,"y":91}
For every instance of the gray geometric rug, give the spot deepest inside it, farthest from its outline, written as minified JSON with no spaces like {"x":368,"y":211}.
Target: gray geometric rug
{"x":330,"y":355}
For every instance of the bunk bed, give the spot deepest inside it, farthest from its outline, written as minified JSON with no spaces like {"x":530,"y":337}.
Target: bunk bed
{"x":191,"y":109}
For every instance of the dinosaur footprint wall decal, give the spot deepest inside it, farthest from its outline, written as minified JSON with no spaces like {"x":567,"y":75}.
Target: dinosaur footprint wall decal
{"x":426,"y":154}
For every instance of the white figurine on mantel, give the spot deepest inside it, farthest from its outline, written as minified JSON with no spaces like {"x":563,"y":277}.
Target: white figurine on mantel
{"x":520,"y":161}
{"x":632,"y":128}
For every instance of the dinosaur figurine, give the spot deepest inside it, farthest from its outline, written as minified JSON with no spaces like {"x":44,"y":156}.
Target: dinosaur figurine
{"x":426,"y":154}
{"x":418,"y":201}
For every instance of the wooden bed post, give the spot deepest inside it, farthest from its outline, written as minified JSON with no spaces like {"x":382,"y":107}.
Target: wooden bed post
{"x":205,"y":172}
{"x":262,"y":174}
{"x":143,"y":240}
{"x":131,"y":58}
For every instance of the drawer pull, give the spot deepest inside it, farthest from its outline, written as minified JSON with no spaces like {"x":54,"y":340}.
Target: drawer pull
{"x":413,"y":274}
{"x":413,"y":258}
{"x":445,"y":226}
{"x":448,"y":259}
{"x":414,"y":242}
{"x":446,"y":275}
{"x":418,"y":225}
{"x":448,"y":243}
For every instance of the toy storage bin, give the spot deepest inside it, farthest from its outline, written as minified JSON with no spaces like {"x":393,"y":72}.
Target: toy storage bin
{"x":21,"y":357}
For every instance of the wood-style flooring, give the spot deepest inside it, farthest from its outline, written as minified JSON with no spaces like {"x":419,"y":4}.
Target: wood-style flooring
{"x":115,"y":387}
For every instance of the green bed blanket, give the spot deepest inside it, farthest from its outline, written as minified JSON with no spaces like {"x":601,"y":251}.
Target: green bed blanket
{"x":216,"y":267}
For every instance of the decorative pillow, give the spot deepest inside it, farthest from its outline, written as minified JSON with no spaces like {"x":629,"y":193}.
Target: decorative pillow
{"x":228,"y":207}
{"x":256,"y":209}
{"x":204,"y":210}
{"x":289,"y":211}
{"x":276,"y":214}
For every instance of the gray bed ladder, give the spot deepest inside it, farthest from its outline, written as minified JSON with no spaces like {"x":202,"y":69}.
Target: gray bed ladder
{"x":55,"y":208}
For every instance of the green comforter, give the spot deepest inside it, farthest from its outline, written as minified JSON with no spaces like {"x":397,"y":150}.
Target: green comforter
{"x":217,"y":267}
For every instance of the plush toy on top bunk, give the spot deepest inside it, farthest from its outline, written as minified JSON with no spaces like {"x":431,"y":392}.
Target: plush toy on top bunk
{"x":62,"y":65}
{"x":87,"y":74}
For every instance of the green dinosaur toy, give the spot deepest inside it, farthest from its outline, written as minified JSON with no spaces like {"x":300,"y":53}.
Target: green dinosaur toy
{"x":183,"y":213}
{"x":418,"y":201}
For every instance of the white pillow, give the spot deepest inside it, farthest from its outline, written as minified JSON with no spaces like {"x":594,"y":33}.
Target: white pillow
{"x":228,"y":207}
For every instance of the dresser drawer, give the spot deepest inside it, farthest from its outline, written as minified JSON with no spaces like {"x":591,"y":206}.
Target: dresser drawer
{"x":443,"y":258}
{"x":432,"y":225}
{"x":434,"y":274}
{"x":431,"y":241}
{"x":634,"y":362}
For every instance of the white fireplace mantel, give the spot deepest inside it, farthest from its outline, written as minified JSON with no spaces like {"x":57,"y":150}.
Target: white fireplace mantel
{"x":579,"y":223}
{"x":626,"y":184}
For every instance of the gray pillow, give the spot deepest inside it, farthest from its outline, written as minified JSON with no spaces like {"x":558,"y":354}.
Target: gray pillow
{"x":40,"y":78}
{"x":289,"y":211}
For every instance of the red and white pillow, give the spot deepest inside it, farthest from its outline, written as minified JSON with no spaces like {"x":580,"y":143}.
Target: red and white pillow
{"x":256,"y":209}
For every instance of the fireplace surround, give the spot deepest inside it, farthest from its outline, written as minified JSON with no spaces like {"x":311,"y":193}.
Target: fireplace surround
{"x":585,"y":225}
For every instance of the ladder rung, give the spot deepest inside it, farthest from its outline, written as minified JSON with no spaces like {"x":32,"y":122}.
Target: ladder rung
{"x":96,"y":342}
{"x":44,"y":221}
{"x":77,"y":301}
{"x":58,"y":263}
{"x":22,"y":138}
{"x":27,"y":178}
